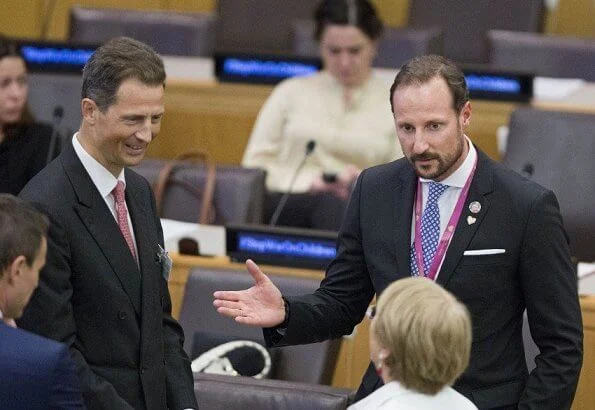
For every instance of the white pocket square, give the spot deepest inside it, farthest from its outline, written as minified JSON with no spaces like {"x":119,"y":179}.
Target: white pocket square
{"x":479,"y":252}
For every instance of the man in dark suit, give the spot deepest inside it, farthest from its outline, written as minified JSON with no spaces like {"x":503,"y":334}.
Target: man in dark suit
{"x":492,"y":238}
{"x":35,"y":372}
{"x":104,"y":289}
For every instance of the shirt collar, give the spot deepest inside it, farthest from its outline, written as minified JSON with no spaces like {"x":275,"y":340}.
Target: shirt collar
{"x":101,"y":177}
{"x":459,"y":177}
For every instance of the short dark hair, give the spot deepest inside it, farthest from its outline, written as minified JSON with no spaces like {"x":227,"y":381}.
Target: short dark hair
{"x":359,"y":13}
{"x":22,"y":228}
{"x":420,"y":70}
{"x":120,"y":59}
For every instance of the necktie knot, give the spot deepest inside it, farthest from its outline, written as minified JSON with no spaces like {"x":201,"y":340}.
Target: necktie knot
{"x":436,"y":189}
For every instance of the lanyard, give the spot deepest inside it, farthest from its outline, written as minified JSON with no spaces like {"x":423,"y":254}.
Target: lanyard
{"x":448,"y":232}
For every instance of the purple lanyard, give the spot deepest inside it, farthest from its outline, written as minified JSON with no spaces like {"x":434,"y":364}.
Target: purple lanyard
{"x":448,"y":232}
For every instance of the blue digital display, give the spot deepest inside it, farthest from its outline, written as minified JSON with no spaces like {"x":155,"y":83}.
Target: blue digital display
{"x":263,"y":69}
{"x":279,"y":69}
{"x":493,"y":83}
{"x":264,"y":244}
{"x":56,"y":56}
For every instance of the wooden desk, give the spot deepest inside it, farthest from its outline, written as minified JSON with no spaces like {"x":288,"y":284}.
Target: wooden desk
{"x":353,"y":356}
{"x":219,"y":117}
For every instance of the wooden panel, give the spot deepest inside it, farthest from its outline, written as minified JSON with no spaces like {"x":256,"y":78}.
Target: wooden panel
{"x":574,"y":18}
{"x":486,"y":118}
{"x":393,"y":13}
{"x":23,"y":18}
{"x":20,"y":18}
{"x":189,"y":6}
{"x":214,"y":117}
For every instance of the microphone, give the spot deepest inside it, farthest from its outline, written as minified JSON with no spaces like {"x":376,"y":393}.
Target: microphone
{"x":56,"y":120}
{"x":309,"y":149}
{"x":528,"y":170}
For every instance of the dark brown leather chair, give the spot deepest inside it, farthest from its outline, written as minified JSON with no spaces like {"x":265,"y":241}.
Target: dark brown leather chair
{"x":238,"y":195}
{"x":176,"y":34}
{"x":394,"y":48}
{"x":557,"y":149}
{"x":262,"y":26}
{"x":313,"y":363}
{"x":543,"y":55}
{"x":465,"y":23}
{"x":216,"y":392}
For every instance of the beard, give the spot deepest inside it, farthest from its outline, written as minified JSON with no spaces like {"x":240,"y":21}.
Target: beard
{"x":443,"y":164}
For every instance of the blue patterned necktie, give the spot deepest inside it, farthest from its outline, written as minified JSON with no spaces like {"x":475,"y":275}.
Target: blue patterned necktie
{"x":430,"y":229}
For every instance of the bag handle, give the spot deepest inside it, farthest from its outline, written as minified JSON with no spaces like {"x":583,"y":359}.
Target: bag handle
{"x":206,"y":215}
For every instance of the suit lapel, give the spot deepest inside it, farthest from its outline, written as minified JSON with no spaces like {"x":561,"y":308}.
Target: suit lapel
{"x":403,"y":200}
{"x":480,"y":189}
{"x":102,"y":226}
{"x":143,"y":223}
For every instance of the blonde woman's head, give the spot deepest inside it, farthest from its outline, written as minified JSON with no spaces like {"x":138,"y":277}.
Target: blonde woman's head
{"x":420,"y":335}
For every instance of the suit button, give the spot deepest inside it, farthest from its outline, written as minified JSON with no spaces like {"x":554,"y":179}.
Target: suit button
{"x":143,"y":369}
{"x":122,"y":315}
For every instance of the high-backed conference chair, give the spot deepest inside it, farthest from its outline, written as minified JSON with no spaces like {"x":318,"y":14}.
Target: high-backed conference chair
{"x":176,"y":34}
{"x":313,"y":363}
{"x":238,"y":192}
{"x":464,"y":23}
{"x":557,"y":149}
{"x":394,"y":48}
{"x":262,"y":26}
{"x":543,"y":55}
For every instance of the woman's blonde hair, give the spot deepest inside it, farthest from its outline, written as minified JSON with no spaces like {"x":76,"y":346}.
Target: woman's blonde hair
{"x":427,"y":333}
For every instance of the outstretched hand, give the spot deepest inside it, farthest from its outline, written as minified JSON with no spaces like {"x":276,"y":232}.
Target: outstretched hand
{"x":261,"y":305}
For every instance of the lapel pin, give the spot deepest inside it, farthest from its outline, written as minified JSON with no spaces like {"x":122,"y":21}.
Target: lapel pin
{"x":475,"y":207}
{"x":471,"y":220}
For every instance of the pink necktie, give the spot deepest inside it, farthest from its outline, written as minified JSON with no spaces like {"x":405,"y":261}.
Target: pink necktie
{"x":122,"y":214}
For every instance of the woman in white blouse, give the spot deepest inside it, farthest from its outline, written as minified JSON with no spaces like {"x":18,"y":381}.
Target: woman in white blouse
{"x":345,"y":109}
{"x":420,"y":341}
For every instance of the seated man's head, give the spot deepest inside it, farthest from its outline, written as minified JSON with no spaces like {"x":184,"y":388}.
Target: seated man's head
{"x":420,"y":335}
{"x":23,"y":247}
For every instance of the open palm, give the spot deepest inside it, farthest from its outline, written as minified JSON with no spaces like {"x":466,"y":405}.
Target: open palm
{"x":261,"y":305}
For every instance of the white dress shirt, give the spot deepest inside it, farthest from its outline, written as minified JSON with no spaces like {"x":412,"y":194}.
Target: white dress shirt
{"x":448,"y":200}
{"x":104,"y":181}
{"x":394,"y":396}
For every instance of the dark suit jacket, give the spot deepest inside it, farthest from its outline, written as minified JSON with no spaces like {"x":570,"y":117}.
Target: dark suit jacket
{"x":535,"y":273}
{"x":92,"y":296}
{"x":36,"y":373}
